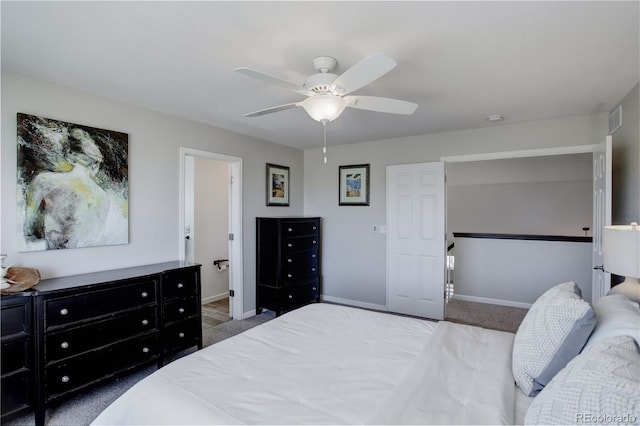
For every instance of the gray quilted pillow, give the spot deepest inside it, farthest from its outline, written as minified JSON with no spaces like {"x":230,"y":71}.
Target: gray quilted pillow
{"x":552,"y":333}
{"x":601,"y":385}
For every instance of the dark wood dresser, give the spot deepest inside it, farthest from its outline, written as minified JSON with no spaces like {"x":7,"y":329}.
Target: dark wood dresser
{"x":93,"y":327}
{"x":288,"y":262}
{"x":17,"y":354}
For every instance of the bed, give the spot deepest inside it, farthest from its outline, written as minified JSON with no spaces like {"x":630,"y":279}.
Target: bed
{"x":330,"y":364}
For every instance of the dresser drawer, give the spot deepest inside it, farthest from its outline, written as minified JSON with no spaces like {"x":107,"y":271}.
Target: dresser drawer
{"x":291,"y":297}
{"x":299,"y":266}
{"x":180,"y":309}
{"x":297,"y":228}
{"x":182,"y":334}
{"x":85,"y":369}
{"x":76,"y":340}
{"x":84,"y":306}
{"x":16,"y":318}
{"x":16,"y":393}
{"x":15,"y":356}
{"x":283,"y":298}
{"x":294,"y":244}
{"x":179,"y":284}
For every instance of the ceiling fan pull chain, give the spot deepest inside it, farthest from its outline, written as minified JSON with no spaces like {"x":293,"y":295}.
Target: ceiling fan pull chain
{"x":324,"y":147}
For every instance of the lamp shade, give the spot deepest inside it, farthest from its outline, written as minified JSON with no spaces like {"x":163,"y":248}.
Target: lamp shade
{"x":324,"y":107}
{"x":621,"y":247}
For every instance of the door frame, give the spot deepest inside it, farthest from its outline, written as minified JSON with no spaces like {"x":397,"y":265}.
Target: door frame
{"x":234,"y":225}
{"x":541,"y":152}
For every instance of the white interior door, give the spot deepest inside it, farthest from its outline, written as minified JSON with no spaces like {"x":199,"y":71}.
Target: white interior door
{"x":416,"y":243}
{"x":601,"y":281}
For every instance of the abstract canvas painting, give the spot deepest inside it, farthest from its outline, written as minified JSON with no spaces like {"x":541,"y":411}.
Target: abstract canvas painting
{"x":73,"y":185}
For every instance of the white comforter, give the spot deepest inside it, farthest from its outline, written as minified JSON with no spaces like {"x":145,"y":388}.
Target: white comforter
{"x":327,"y":364}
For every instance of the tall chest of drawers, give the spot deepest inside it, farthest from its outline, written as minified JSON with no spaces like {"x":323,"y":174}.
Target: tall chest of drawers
{"x":93,"y":327}
{"x":17,"y":354}
{"x":288,"y":262}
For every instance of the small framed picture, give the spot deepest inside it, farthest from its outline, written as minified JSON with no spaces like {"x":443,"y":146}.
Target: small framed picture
{"x":353,"y":185}
{"x":277,"y":185}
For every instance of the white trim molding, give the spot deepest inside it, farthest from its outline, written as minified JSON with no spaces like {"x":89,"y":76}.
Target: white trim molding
{"x":543,"y":152}
{"x":236,"y":278}
{"x":214,"y":298}
{"x":490,"y":301}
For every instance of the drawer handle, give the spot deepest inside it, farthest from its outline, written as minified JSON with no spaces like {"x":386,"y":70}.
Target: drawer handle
{"x":315,"y":242}
{"x":289,"y":260}
{"x":290,"y":229}
{"x":290,"y":297}
{"x":64,"y":345}
{"x":64,"y":311}
{"x":289,"y":275}
{"x":314,"y":227}
{"x":289,"y":245}
{"x":144,"y":294}
{"x":181,"y":310}
{"x":313,"y":269}
{"x":181,"y":335}
{"x":313,"y":288}
{"x":145,"y":349}
{"x":65,"y":379}
{"x":313,"y":255}
{"x":180,"y":285}
{"x":145,"y":322}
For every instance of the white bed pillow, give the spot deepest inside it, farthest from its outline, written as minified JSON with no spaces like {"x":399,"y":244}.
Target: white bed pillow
{"x":616,"y":315}
{"x":553,"y":332}
{"x":601,"y":385}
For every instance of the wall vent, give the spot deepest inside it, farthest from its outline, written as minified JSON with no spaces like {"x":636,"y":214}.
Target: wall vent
{"x":615,"y":120}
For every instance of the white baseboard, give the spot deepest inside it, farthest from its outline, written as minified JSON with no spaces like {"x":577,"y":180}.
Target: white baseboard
{"x":501,"y":302}
{"x":355,"y":303}
{"x":215,"y":298}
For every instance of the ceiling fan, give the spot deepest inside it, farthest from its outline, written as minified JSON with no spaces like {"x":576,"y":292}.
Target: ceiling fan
{"x":327,"y":92}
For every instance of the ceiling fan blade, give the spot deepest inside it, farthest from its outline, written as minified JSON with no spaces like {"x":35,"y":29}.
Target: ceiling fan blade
{"x":362,"y":73}
{"x":374,"y":103}
{"x":268,"y":78}
{"x":273,"y":109}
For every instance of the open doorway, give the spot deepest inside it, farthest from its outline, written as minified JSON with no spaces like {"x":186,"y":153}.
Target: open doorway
{"x":567,"y":187}
{"x":211,"y":217}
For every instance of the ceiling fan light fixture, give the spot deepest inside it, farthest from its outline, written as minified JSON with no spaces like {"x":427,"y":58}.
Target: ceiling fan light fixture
{"x":324,"y":107}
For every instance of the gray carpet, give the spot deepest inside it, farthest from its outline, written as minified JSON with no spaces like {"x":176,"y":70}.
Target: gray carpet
{"x":231,"y":328}
{"x":85,"y":407}
{"x":496,"y":317}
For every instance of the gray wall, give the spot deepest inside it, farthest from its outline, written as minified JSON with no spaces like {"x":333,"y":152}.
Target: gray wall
{"x":211,"y":225}
{"x":354,"y":257}
{"x":626,"y":162}
{"x":517,"y":272}
{"x":154,"y":142}
{"x":354,"y":263}
{"x":537,"y":195}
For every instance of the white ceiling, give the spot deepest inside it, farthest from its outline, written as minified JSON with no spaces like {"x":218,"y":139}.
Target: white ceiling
{"x":459,"y":61}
